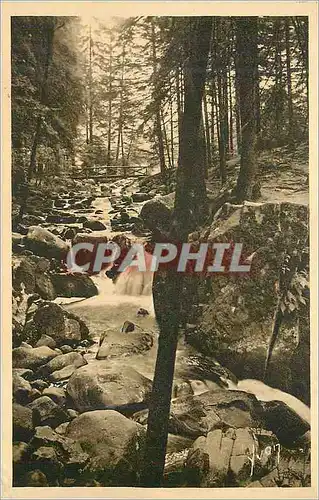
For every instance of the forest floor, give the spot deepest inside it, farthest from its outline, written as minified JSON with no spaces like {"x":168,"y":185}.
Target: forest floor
{"x":283,"y":174}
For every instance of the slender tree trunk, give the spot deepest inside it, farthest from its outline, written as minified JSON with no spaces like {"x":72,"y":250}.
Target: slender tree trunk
{"x":231,"y":136}
{"x":226,"y":107}
{"x":182,"y":93}
{"x":222,"y":103}
{"x":302,"y":33}
{"x":179,"y":100}
{"x":166,"y":140}
{"x":87,"y":139}
{"x":246,"y":48}
{"x":301,"y":29}
{"x":216,"y":103}
{"x":120,"y":127}
{"x":289,"y":86}
{"x":207,"y":132}
{"x":171,"y":114}
{"x":222,"y":130}
{"x":258,"y":111}
{"x":203,"y":147}
{"x":278,"y":79}
{"x":190,"y":201}
{"x":212,"y":114}
{"x":110,"y":110}
{"x":130,"y":146}
{"x":237,"y":113}
{"x":49,"y":30}
{"x":158,"y":128}
{"x":90,"y":89}
{"x":122,"y":148}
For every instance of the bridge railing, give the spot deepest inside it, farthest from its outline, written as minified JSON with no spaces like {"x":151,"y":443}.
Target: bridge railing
{"x":114,"y":171}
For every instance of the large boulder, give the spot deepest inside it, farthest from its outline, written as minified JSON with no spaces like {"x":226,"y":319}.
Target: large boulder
{"x":17,"y":242}
{"x":231,"y":457}
{"x":35,"y":479}
{"x":95,"y":225}
{"x":31,"y":272}
{"x":94,"y":237}
{"x":72,"y":285}
{"x":41,"y":242}
{"x":20,"y":457}
{"x":47,"y":412}
{"x":57,"y":394}
{"x":289,"y":427}
{"x":22,"y":421}
{"x":139,"y":197}
{"x":20,"y":306}
{"x":237,"y":312}
{"x":101,"y":385}
{"x":33,"y":358}
{"x":156,"y":214}
{"x":68,"y":451}
{"x":114,"y":343}
{"x":62,"y":361}
{"x":293,"y":471}
{"x":194,"y":416}
{"x":114,"y":444}
{"x":21,"y":388}
{"x":52,"y":320}
{"x":45,"y":460}
{"x":46,"y":340}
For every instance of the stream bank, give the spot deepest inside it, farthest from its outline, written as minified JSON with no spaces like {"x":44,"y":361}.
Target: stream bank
{"x":85,"y":349}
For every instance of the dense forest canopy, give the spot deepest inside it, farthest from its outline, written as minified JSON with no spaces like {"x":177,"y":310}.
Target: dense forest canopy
{"x":112,"y":92}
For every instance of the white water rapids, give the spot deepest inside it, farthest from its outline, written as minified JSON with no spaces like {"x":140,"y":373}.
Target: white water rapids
{"x":120,"y":302}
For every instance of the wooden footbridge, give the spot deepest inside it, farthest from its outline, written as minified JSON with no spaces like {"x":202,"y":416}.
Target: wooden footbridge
{"x":113,"y":172}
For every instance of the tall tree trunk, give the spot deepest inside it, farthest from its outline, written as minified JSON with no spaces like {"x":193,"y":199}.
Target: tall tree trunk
{"x":222,"y":129}
{"x":49,"y":30}
{"x":278,"y":79}
{"x":90,"y":89}
{"x":289,"y":86}
{"x":301,"y":29}
{"x":157,"y":125}
{"x":190,"y":194}
{"x":179,"y":101}
{"x":237,"y":113}
{"x":226,"y":106}
{"x":231,"y":135}
{"x":247,"y":50}
{"x":120,"y":126}
{"x":222,"y":98}
{"x":168,"y":153}
{"x":258,"y":111}
{"x":110,"y":110}
{"x":202,"y":149}
{"x":122,"y":148}
{"x":216,"y":103}
{"x":212,"y":114}
{"x":130,"y":146}
{"x":207,"y":132}
{"x":87,"y":139}
{"x":171,"y":114}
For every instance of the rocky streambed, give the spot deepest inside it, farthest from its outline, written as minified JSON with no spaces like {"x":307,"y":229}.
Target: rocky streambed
{"x":84,"y":351}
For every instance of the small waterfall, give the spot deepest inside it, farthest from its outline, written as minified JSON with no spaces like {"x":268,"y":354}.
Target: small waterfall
{"x":134,"y":282}
{"x":264,"y":392}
